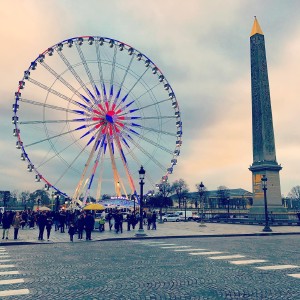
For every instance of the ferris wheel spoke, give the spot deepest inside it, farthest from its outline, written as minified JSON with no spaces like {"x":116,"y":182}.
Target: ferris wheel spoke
{"x":70,"y":165}
{"x":123,"y":80}
{"x":148,"y":91}
{"x":153,"y":159}
{"x":149,"y":118}
{"x":144,"y":107}
{"x":148,"y":141}
{"x":112,"y":74}
{"x":100,"y":70}
{"x":63,"y":81}
{"x":132,"y":88}
{"x":33,"y":102}
{"x":134,"y":125}
{"x":60,"y":95}
{"x":89,"y":74}
{"x":54,"y":121}
{"x":56,"y":136}
{"x":58,"y":153}
{"x":76,"y":76}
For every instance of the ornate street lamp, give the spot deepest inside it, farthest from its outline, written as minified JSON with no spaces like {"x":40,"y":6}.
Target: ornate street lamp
{"x":184,"y":209}
{"x":264,"y":187}
{"x":142,"y":173}
{"x":201,"y":191}
{"x":38,"y":204}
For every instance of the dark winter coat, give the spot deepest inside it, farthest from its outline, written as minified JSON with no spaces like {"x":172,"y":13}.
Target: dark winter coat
{"x":89,"y":222}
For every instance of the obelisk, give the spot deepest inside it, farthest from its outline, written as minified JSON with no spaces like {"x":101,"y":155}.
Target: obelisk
{"x":264,"y":154}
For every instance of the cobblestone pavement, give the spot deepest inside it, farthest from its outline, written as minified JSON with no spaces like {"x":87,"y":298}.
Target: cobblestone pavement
{"x":262,"y":267}
{"x":169,"y":229}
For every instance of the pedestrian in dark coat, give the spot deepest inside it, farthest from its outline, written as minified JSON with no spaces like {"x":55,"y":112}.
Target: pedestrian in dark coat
{"x":154,"y":217}
{"x":5,"y":225}
{"x":62,"y":221}
{"x":42,"y":220}
{"x":80,"y":226}
{"x":89,"y":223}
{"x":71,"y":231}
{"x":49,"y":224}
{"x":109,"y":218}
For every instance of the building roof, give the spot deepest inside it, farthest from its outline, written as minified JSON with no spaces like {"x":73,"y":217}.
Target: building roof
{"x":256,"y":28}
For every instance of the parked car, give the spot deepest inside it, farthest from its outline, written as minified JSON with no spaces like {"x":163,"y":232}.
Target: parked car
{"x":171,"y":218}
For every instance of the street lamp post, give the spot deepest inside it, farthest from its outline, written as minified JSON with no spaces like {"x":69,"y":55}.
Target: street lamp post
{"x":184,"y":209}
{"x":57,"y":203}
{"x":201,"y":190}
{"x":264,"y":187}
{"x":228,"y":206}
{"x":142,"y":177}
{"x":38,"y":202}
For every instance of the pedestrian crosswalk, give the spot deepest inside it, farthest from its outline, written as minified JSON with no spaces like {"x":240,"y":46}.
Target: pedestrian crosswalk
{"x":235,"y":259}
{"x":7,"y":272}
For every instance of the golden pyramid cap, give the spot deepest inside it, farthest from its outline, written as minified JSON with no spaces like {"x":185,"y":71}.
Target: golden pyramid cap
{"x":256,"y":28}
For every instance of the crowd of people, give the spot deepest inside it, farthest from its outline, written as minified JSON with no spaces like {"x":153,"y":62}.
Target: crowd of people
{"x":76,"y":222}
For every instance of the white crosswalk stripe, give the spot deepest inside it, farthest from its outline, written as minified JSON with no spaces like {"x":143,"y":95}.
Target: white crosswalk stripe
{"x":174,"y":247}
{"x":206,"y":253}
{"x":227,"y":256}
{"x":295,"y":275}
{"x":11,"y":281}
{"x":188,"y":250}
{"x":277,"y":267}
{"x":9,"y":273}
{"x":162,"y":245}
{"x":247,"y":262}
{"x":7,"y":266}
{"x":14,"y":292}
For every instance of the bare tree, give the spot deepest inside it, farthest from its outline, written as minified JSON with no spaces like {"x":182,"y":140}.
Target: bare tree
{"x":165,"y":189}
{"x":294,"y":195}
{"x":181,"y":189}
{"x":223,"y":196}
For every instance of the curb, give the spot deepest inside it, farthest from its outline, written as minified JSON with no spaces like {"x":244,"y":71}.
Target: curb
{"x":155,"y":237}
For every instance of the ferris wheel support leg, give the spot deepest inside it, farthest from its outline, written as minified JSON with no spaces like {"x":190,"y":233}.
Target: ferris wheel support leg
{"x":79,"y":185}
{"x":129,"y":177}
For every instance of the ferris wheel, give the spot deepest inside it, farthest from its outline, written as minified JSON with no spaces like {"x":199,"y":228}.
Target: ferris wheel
{"x":89,"y":111}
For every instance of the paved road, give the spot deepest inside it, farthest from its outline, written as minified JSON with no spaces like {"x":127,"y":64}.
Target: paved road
{"x":187,"y":268}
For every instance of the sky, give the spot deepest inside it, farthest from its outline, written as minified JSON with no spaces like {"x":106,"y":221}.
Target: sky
{"x":203,"y":49}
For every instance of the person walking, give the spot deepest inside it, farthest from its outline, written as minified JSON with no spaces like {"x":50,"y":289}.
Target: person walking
{"x":149,"y":219}
{"x":133,"y":220}
{"x":89,"y":223}
{"x":110,"y":220}
{"x":56,"y":221}
{"x":42,"y":220}
{"x":49,"y":224}
{"x":62,"y":221}
{"x":16,"y":223}
{"x":154,"y":216}
{"x":5,"y":225}
{"x":80,"y":226}
{"x":71,"y":231}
